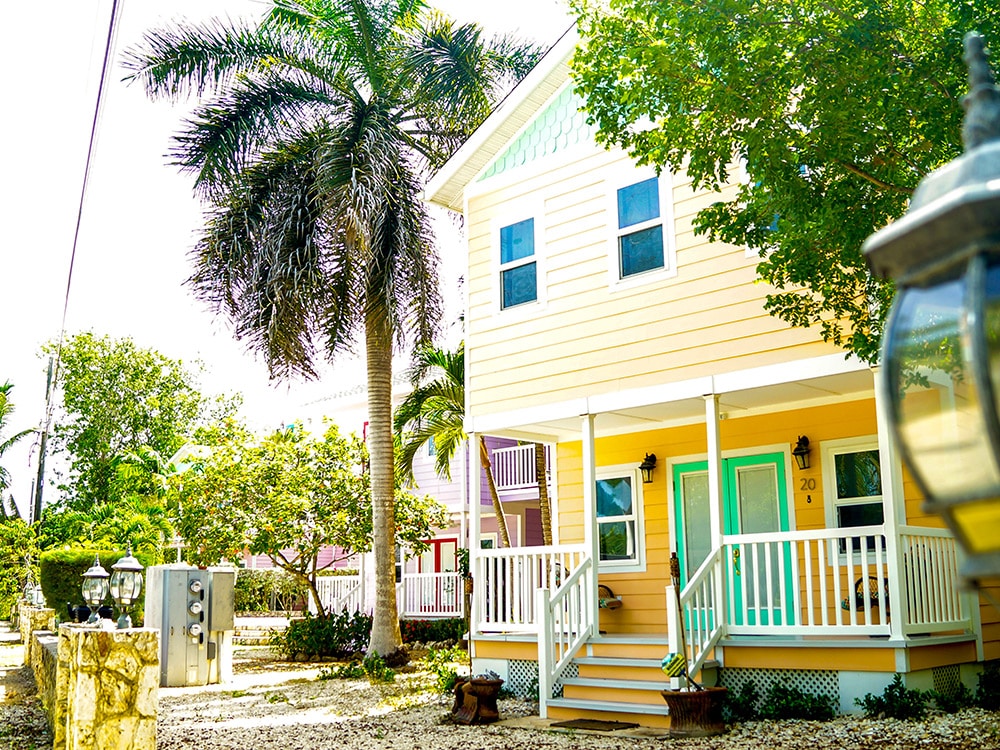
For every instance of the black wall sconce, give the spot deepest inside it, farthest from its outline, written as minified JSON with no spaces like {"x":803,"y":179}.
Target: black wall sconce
{"x":647,"y":466}
{"x":801,"y":452}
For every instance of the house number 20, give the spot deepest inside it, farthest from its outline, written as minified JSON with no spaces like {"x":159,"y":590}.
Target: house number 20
{"x":808,"y":483}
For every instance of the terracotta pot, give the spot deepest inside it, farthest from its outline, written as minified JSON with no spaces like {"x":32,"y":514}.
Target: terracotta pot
{"x":695,"y":713}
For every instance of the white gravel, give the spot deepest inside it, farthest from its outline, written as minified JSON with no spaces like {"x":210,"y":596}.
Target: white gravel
{"x":280,"y":706}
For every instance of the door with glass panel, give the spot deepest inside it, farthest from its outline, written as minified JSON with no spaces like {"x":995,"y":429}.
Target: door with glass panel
{"x":755,"y":501}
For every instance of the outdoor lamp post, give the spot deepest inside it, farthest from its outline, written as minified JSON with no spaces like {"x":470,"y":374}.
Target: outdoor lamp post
{"x":95,"y":588}
{"x":941,"y":344}
{"x":126,"y":585}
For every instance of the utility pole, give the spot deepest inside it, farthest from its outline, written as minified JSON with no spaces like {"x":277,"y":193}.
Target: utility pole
{"x":40,"y":480}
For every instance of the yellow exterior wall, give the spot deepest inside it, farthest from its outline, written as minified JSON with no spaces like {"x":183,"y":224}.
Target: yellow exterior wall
{"x":587,"y":338}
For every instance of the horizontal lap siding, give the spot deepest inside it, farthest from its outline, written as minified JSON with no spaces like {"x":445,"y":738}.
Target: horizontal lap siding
{"x":589,"y":339}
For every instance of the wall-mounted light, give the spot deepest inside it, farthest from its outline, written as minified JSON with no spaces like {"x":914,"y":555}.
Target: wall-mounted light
{"x":801,"y":452}
{"x":126,"y":585}
{"x":647,"y":466}
{"x":95,"y":587}
{"x":940,"y":343}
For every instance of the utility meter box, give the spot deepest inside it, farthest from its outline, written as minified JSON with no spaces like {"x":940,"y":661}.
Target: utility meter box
{"x":193,"y":610}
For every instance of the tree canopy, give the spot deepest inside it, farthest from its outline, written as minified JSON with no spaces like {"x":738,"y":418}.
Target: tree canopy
{"x":6,"y":443}
{"x":117,"y":402}
{"x":835,"y":110}
{"x":289,"y":496}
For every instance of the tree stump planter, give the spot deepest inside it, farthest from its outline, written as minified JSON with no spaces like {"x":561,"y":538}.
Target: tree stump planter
{"x":476,"y":701}
{"x":695,"y":713}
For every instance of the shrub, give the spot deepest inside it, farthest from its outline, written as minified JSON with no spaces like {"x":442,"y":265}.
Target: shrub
{"x":953,"y":701}
{"x":742,"y":706}
{"x":373,"y":667}
{"x":336,"y":636}
{"x":442,"y":663}
{"x":896,"y":701}
{"x":61,"y":572}
{"x":432,"y":631}
{"x":988,"y":690}
{"x":269,"y":590}
{"x":784,"y":702}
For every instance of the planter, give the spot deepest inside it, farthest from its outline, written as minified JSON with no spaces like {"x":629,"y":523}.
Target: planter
{"x":476,"y":701}
{"x":695,"y":713}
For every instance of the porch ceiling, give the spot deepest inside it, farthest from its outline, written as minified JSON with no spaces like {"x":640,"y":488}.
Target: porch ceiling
{"x":673,"y":406}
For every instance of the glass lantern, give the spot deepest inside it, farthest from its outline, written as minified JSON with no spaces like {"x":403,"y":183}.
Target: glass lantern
{"x":941,"y":344}
{"x":95,"y":588}
{"x":126,"y":586}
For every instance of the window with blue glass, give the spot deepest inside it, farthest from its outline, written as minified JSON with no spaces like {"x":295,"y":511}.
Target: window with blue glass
{"x":617,"y":520}
{"x":518,"y":266}
{"x":640,"y":228}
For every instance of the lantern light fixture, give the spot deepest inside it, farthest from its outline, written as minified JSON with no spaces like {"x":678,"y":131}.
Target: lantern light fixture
{"x":801,"y":452}
{"x":126,"y":586}
{"x":647,"y":466}
{"x":95,"y":588}
{"x":941,"y":344}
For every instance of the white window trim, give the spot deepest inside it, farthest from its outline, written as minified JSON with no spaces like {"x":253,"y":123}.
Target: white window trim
{"x":514,"y":214}
{"x":639,"y":564}
{"x":828,"y":450}
{"x":625,"y":176}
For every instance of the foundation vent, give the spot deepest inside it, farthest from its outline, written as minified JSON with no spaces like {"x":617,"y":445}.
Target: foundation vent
{"x":522,"y":678}
{"x":811,"y":681}
{"x":946,"y":679}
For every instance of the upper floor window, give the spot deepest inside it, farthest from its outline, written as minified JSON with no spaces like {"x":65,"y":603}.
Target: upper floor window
{"x":518,"y":264}
{"x":619,"y":519}
{"x":643,"y":239}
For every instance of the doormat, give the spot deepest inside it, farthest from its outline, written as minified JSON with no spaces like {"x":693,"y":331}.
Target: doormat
{"x":595,"y":725}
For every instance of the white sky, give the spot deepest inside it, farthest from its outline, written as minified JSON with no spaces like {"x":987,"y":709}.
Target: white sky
{"x":140,"y":217}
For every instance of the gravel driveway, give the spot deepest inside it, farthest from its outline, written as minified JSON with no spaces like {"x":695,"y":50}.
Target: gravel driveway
{"x":283,"y":706}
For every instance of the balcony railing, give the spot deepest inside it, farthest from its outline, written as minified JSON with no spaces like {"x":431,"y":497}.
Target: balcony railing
{"x":514,"y":467}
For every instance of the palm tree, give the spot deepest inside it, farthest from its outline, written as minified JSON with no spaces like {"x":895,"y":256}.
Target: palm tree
{"x":321,"y":124}
{"x":435,"y":409}
{"x":6,"y":443}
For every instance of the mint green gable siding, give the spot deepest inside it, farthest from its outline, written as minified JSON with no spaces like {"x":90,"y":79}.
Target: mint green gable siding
{"x":560,"y":125}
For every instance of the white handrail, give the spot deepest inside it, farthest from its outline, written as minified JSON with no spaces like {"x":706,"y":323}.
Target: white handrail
{"x":702,"y":613}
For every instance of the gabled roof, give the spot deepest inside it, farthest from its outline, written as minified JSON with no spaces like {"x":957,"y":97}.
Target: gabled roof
{"x":512,"y":114}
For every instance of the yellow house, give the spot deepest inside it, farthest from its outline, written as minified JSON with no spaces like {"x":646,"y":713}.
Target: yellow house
{"x":599,"y":323}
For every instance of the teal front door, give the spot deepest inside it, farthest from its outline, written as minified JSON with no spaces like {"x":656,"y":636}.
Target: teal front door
{"x":755,"y":501}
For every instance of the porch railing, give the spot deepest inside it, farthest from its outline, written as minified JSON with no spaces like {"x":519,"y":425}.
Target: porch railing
{"x":566,"y":619}
{"x":505,"y":582}
{"x":700,"y":612}
{"x":514,"y":467}
{"x":430,"y":595}
{"x":825,"y":582}
{"x":339,"y":593}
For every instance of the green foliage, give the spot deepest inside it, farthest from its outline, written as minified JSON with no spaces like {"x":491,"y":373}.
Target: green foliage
{"x":269,"y":591}
{"x":372,"y":667}
{"x":432,"y":631}
{"x":117,"y":400}
{"x":442,"y":662}
{"x":18,"y":553}
{"x":336,"y":636}
{"x":988,"y":690}
{"x":784,"y":702}
{"x":6,"y":442}
{"x":62,"y":570}
{"x":742,"y":706}
{"x":896,"y":701}
{"x":836,"y":110}
{"x":137,"y":520}
{"x":953,"y":701}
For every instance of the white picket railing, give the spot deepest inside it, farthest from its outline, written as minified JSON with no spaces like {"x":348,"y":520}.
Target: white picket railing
{"x":505,"y":582}
{"x":826,"y":582}
{"x":339,"y":594}
{"x":566,"y":620}
{"x":514,"y":467}
{"x":430,"y":595}
{"x":701,"y":610}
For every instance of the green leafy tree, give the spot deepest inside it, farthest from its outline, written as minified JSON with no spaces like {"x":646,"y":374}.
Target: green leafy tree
{"x":836,"y":109}
{"x":117,"y":401}
{"x":289,"y":497}
{"x":18,"y":561}
{"x":6,"y":443}
{"x":435,"y":409}
{"x":315,"y":131}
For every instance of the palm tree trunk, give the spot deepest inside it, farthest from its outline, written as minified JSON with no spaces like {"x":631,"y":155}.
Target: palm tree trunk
{"x":544,"y":509}
{"x":497,"y":507}
{"x":385,"y":636}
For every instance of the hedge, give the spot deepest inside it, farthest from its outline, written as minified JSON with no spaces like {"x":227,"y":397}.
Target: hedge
{"x":61,"y":572}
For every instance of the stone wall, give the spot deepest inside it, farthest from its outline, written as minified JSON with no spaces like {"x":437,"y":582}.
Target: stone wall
{"x":31,"y":619}
{"x":44,"y":663}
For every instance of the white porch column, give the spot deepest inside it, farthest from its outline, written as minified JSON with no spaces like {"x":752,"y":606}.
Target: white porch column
{"x":475,"y":496}
{"x":590,"y":537}
{"x":714,"y":447}
{"x":893,"y":503}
